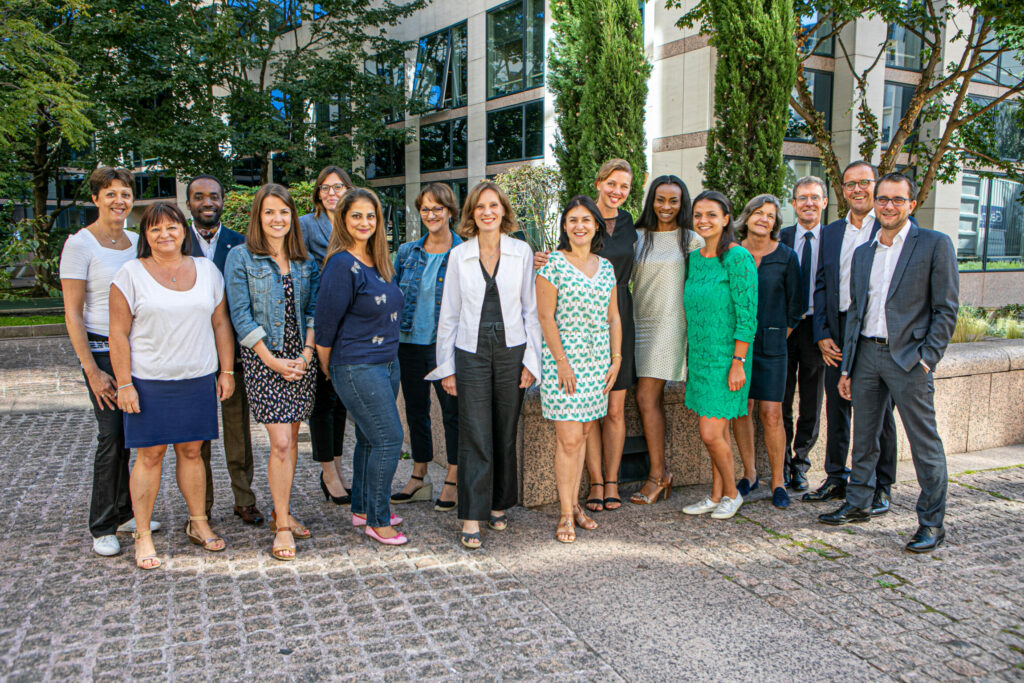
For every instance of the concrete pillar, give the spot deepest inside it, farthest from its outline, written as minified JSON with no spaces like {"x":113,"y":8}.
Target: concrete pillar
{"x":476,"y":116}
{"x":863,"y":39}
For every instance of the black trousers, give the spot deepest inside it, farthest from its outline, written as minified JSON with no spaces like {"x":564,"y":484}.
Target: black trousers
{"x":327,"y":421}
{"x":415,"y":362}
{"x":837,"y":445}
{"x":490,"y":401}
{"x":111,"y":503}
{"x":806,"y":369}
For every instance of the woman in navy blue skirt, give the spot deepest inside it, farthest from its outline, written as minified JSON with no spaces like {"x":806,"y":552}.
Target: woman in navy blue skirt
{"x":169,"y":335}
{"x":779,"y":309}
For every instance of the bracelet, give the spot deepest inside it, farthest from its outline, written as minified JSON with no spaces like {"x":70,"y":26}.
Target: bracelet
{"x":616,"y":355}
{"x":311,"y":348}
{"x":228,"y":372}
{"x":124,"y":386}
{"x":741,"y":359}
{"x":305,"y":363}
{"x":564,"y":356}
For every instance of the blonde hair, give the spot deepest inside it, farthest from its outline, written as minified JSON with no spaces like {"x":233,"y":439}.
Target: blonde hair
{"x":341,"y":239}
{"x":467,"y":225}
{"x":611,"y":166}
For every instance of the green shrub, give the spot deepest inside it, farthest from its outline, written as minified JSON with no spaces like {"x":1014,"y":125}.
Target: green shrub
{"x":971,"y":325}
{"x":1010,"y":328}
{"x":238,"y":202}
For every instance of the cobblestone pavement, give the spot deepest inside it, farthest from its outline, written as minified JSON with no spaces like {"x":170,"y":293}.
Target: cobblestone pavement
{"x":651,"y":595}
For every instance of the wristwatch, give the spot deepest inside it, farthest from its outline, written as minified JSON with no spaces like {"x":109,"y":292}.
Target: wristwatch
{"x":740,"y":359}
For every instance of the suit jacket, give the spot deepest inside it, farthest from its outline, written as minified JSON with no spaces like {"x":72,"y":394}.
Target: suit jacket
{"x":788,"y":236}
{"x":921,"y":305}
{"x":226,"y":241}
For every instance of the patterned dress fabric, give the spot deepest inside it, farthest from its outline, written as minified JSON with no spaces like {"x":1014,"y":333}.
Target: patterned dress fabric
{"x":581,"y":315}
{"x":721,"y":308}
{"x":272,"y":398}
{"x":658,"y":304}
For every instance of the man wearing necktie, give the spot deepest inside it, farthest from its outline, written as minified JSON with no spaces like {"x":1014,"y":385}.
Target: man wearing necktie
{"x":205,"y":197}
{"x":805,"y":367}
{"x":905,"y":292}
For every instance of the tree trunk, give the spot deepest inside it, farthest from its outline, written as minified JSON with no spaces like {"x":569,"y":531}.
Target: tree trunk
{"x":41,"y":223}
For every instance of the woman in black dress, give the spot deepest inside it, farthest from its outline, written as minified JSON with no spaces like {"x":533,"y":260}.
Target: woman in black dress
{"x":779,"y":309}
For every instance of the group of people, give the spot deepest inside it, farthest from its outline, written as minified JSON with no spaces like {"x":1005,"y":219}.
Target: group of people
{"x":310,"y":319}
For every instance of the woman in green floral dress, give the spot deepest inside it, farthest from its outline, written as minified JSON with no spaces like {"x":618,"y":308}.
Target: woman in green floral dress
{"x":720,"y":299}
{"x":579,"y":316}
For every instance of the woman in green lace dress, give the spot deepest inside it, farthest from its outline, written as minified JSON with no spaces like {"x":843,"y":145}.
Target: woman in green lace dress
{"x":720,"y":299}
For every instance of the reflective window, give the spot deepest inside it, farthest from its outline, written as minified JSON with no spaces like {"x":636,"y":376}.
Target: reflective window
{"x":393,"y":95}
{"x":1004,"y":121}
{"x":515,"y":47}
{"x":897,"y":101}
{"x":903,"y":50}
{"x":816,"y":40}
{"x":820,"y":85}
{"x":1006,"y":69}
{"x":392,"y":201}
{"x":332,"y":116}
{"x":797,"y":168}
{"x":387,"y":159}
{"x":443,"y":145}
{"x":287,"y":15}
{"x":516,"y":133}
{"x":991,"y":224}
{"x":441,"y":70}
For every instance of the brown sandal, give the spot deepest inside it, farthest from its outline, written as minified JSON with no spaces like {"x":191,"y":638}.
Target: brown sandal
{"x":582,"y":520}
{"x":664,"y":486}
{"x":299,"y":531}
{"x":564,"y":532}
{"x":208,"y":544}
{"x":285,"y":553}
{"x":140,"y":561}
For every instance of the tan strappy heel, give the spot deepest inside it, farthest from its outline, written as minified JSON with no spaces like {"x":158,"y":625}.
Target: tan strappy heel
{"x":140,"y":561}
{"x":207,"y":544}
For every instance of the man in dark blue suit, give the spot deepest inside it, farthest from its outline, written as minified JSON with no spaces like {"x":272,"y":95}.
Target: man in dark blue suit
{"x":804,"y":367}
{"x":839,"y":240}
{"x":905,"y":292}
{"x":205,"y":197}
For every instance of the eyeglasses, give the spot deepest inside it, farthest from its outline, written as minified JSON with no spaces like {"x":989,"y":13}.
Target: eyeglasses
{"x":336,"y":188}
{"x":808,"y":198}
{"x":862,"y":184}
{"x":436,"y":211}
{"x":895,"y":201}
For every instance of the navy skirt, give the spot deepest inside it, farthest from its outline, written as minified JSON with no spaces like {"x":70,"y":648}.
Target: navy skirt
{"x":172,"y":411}
{"x":768,"y":378}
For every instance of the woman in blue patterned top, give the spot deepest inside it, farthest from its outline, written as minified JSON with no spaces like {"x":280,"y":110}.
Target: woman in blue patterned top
{"x":357,"y":344}
{"x":579,"y":316}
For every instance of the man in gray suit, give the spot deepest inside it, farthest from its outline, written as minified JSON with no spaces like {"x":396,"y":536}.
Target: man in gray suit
{"x":904,"y":299}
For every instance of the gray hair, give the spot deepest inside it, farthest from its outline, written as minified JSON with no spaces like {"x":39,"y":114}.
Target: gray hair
{"x":740,"y":225}
{"x":811,"y":180}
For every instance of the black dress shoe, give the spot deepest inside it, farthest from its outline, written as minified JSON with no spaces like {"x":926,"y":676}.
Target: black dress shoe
{"x":927,"y":539}
{"x":879,"y":503}
{"x":847,"y":514}
{"x":797,"y":481}
{"x":830,"y":490}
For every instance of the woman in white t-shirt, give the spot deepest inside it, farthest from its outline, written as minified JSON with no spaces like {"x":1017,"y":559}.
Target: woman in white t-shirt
{"x":88,"y":262}
{"x":169,"y":334}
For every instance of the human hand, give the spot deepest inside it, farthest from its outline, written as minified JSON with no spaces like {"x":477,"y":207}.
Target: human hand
{"x":103,"y":388}
{"x":225,"y":386}
{"x":526,"y":379}
{"x":289,"y":368}
{"x":830,"y":353}
{"x":737,"y":378}
{"x":128,"y":400}
{"x":540,"y":258}
{"x":612,"y":374}
{"x":566,"y":377}
{"x":845,"y":388}
{"x":448,"y":384}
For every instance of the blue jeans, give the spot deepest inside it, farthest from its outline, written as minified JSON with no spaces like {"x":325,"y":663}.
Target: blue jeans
{"x":369,"y":392}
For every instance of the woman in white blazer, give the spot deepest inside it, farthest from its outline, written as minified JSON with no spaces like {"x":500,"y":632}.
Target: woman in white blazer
{"x":488,"y":353}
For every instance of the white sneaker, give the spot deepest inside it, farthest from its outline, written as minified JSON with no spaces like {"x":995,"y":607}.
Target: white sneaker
{"x":130,"y":527}
{"x":106,"y":545}
{"x":700,"y":508}
{"x":728,"y":507}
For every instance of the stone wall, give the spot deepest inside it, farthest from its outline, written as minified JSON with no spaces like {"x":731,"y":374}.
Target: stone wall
{"x":979,"y":396}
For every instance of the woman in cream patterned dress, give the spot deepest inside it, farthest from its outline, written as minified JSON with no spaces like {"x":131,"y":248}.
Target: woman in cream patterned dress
{"x":579,"y":316}
{"x":665,"y":239}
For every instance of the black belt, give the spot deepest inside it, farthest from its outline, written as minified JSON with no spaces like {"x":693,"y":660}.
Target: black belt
{"x":878,"y":340}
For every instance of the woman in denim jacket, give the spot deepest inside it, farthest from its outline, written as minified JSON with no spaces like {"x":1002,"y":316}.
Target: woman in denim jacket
{"x":420,"y":268}
{"x":272,"y":286}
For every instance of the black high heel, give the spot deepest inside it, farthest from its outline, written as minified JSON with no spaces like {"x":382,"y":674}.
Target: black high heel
{"x":337,"y":500}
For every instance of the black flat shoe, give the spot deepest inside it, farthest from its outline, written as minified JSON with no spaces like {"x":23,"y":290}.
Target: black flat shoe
{"x":847,"y":514}
{"x":879,"y":503}
{"x":445,"y":505}
{"x":830,"y":490}
{"x":797,"y":481}
{"x":927,"y":539}
{"x":337,"y":500}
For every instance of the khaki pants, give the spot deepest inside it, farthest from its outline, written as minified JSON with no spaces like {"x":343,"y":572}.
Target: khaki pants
{"x":237,"y":447}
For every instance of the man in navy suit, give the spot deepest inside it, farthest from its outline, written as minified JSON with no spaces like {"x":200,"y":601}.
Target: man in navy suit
{"x":205,"y":197}
{"x":804,"y":366}
{"x":905,"y":292}
{"x":839,"y":240}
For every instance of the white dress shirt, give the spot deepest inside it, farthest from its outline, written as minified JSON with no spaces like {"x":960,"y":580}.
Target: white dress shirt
{"x":209,"y":248}
{"x":882,"y":269}
{"x":462,"y":302}
{"x":852,"y":238}
{"x":798,"y":247}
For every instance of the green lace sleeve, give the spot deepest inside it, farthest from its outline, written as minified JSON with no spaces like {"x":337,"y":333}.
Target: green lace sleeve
{"x":743,"y":291}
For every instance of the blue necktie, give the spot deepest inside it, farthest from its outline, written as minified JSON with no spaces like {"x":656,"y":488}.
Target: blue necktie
{"x":805,"y":269}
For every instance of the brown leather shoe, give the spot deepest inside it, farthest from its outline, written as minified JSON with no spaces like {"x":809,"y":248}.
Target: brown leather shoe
{"x":249,"y":514}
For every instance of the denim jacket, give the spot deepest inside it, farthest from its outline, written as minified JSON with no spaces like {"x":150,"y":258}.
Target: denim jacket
{"x":256,"y":297}
{"x":409,"y":263}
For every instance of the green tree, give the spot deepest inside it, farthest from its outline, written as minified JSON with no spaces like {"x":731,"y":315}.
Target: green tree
{"x":599,"y":76}
{"x":754,"y":74}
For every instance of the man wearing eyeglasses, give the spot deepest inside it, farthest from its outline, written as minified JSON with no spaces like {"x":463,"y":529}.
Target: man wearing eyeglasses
{"x":905,"y":292}
{"x":839,"y":240}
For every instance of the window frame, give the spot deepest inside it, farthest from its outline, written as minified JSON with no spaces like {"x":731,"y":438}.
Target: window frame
{"x":522,"y":107}
{"x":827,"y":112}
{"x":450,"y":134}
{"x":889,"y":40}
{"x":986,"y":183}
{"x":398,"y":149}
{"x":524,"y":41}
{"x":883,"y":144}
{"x":422,"y":105}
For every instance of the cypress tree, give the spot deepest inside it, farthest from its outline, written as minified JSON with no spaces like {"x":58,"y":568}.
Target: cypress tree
{"x":754,"y":76}
{"x":599,"y":77}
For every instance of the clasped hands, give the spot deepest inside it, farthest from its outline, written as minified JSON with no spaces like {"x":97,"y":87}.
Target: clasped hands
{"x":291,"y":369}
